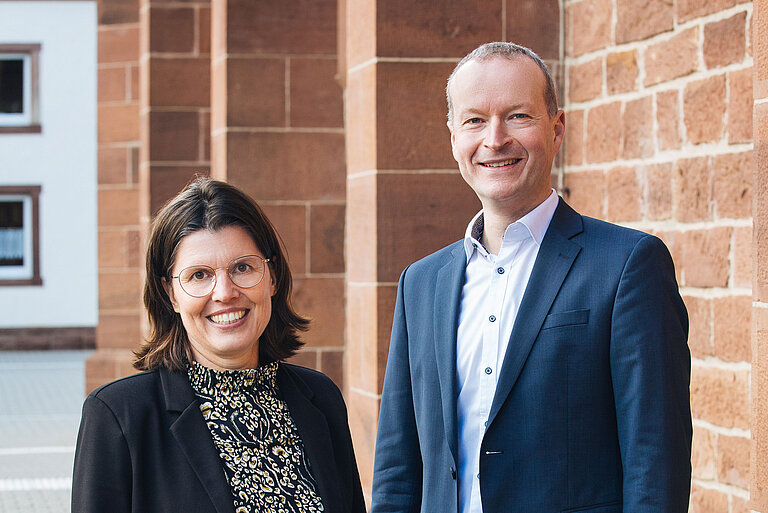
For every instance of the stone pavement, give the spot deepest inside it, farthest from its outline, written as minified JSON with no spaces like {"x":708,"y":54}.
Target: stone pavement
{"x":41,"y":395}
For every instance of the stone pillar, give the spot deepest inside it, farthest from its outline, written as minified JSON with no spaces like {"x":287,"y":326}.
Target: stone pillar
{"x":118,"y":189}
{"x":278,"y":133}
{"x":759,"y":386}
{"x":405,"y":197}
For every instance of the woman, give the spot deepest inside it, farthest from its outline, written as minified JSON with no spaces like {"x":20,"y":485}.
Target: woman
{"x":217,"y":422}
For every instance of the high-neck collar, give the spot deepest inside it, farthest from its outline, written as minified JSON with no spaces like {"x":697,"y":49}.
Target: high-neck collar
{"x":205,"y":380}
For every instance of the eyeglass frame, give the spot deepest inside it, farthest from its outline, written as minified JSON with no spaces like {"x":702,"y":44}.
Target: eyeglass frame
{"x":264,"y":262}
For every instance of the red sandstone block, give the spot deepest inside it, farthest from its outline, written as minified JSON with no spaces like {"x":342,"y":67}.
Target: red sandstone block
{"x":112,"y":84}
{"x":118,"y":12}
{"x":118,"y":123}
{"x":703,"y":453}
{"x":668,"y":120}
{"x":363,"y":317}
{"x":732,"y":323}
{"x":112,"y":164}
{"x":704,"y":261}
{"x":621,"y":71}
{"x":741,"y":264}
{"x":532,"y":24}
{"x":118,"y":44}
{"x":638,"y":128}
{"x":676,"y":57}
{"x":406,"y":91}
{"x":361,"y":32}
{"x":119,"y":330}
{"x":171,"y":29}
{"x":290,"y":221}
{"x":113,"y":249}
{"x":732,"y":185}
{"x":123,"y":207}
{"x":733,"y":460}
{"x":590,"y":25}
{"x":419,"y":29}
{"x":585,"y":80}
{"x":316,"y":95}
{"x":725,"y":41}
{"x":640,"y":19}
{"x":174,"y":136}
{"x":740,"y":104}
{"x":704,"y":109}
{"x":689,"y":9}
{"x":204,"y":30}
{"x":119,"y":290}
{"x":720,"y":396}
{"x":133,"y":77}
{"x":760,"y":192}
{"x":327,"y":238}
{"x":604,"y":133}
{"x":739,"y":505}
{"x":255,"y":92}
{"x":705,"y":500}
{"x":693,"y":189}
{"x":322,"y":300}
{"x":573,"y":146}
{"x":306,"y":358}
{"x":659,"y":191}
{"x":332,"y":365}
{"x":257,"y":162}
{"x":363,"y":419}
{"x":360,"y":122}
{"x":586,"y":192}
{"x":361,"y":225}
{"x":167,"y":181}
{"x":179,"y":82}
{"x":624,"y":201}
{"x":700,"y":326}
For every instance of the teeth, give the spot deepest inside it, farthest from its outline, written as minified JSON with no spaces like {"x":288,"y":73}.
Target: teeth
{"x":501,"y":164}
{"x":228,"y":318}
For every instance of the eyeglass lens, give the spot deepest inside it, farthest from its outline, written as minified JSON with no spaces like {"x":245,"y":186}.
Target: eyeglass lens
{"x":245,"y":272}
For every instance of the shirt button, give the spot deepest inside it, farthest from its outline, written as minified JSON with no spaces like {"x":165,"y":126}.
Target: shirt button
{"x":500,"y":270}
{"x":492,"y":318}
{"x":486,"y":423}
{"x":488,"y":370}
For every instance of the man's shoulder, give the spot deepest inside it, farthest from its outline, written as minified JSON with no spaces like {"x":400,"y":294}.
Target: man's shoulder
{"x":439,"y":257}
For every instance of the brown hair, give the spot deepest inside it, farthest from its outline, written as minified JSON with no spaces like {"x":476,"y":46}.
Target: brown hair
{"x":508,"y":51}
{"x":207,"y":204}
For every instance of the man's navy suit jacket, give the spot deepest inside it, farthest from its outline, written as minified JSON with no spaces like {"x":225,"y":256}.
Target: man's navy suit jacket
{"x":591,"y":411}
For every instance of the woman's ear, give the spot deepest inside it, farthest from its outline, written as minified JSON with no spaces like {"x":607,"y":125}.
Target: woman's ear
{"x":168,"y":287}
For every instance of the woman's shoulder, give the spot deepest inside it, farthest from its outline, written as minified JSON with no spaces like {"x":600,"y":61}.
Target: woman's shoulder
{"x":312,"y":380}
{"x":130,"y":389}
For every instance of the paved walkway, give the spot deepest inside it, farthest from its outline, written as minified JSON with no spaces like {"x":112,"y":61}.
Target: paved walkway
{"x":41,"y":395}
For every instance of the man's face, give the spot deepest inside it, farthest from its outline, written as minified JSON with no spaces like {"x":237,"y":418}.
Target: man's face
{"x":502,"y":137}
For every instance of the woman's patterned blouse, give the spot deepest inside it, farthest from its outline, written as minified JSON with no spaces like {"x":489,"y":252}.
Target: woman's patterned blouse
{"x":258,"y":442}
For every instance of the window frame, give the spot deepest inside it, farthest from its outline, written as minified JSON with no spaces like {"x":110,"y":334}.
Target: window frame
{"x":28,"y":121}
{"x":33,"y":193}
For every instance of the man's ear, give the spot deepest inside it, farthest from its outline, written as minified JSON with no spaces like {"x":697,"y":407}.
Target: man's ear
{"x":168,"y":287}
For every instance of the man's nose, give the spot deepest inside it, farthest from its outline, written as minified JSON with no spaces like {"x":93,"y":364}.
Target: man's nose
{"x":497,"y":134}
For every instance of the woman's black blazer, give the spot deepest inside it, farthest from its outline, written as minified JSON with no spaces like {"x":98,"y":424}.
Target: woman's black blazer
{"x":143,"y":446}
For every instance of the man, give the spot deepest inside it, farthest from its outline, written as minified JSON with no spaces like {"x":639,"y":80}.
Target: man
{"x":540,"y":364}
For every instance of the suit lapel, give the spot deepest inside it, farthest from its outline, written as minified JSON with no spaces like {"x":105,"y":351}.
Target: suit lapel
{"x":192,"y":435}
{"x":450,"y":280}
{"x":553,"y":262}
{"x":315,"y":435}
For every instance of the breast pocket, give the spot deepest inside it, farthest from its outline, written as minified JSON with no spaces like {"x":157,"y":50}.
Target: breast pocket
{"x":569,"y":318}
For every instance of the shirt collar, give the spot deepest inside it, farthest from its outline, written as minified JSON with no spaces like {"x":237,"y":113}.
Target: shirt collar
{"x":536,"y":221}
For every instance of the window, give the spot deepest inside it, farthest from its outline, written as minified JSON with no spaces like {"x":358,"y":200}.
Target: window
{"x":19,"y":236}
{"x":19,"y":88}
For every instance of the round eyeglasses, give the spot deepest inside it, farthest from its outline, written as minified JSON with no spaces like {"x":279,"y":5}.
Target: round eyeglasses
{"x":200,"y":280}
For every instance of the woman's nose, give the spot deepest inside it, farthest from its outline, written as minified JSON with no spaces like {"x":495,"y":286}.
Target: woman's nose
{"x":224,"y":288}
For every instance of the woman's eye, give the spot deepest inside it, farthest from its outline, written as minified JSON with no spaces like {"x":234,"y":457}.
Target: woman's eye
{"x":242,"y":268}
{"x":198,"y":275}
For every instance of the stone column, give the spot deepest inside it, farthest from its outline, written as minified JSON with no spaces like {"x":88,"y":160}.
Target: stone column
{"x":405,"y":197}
{"x":278,"y":133}
{"x":758,"y":488}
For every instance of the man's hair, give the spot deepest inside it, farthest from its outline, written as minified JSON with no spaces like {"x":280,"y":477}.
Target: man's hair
{"x":207,"y":204}
{"x":509,"y":51}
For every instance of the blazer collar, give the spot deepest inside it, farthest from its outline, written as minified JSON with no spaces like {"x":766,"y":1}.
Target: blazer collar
{"x":554,"y":260}
{"x":450,"y":280}
{"x":192,"y":435}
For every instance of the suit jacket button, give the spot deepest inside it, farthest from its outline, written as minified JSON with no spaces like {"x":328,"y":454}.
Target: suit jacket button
{"x":453,"y":473}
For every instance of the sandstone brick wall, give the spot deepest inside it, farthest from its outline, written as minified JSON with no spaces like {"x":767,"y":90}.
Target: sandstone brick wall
{"x":658,"y":97}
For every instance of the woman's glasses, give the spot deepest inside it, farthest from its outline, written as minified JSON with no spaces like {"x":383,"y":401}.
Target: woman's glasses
{"x":200,"y":280}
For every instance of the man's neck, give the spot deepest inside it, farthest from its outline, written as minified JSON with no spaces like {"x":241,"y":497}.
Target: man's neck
{"x":496,"y":221}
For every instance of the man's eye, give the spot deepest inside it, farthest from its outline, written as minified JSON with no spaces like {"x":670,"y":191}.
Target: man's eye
{"x":519,"y":115}
{"x":474,"y":120}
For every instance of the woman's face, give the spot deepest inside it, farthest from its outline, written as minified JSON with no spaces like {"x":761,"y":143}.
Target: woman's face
{"x":224,"y":326}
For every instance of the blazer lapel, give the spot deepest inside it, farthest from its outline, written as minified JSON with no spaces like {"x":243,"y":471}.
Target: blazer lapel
{"x":192,"y":435}
{"x":315,"y":435}
{"x":553,"y":262}
{"x":450,"y":280}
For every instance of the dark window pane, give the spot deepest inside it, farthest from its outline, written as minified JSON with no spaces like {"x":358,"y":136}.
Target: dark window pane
{"x":11,"y":233}
{"x":11,"y":86}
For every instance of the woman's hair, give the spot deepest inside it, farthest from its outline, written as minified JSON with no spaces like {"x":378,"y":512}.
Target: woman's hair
{"x":207,"y":204}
